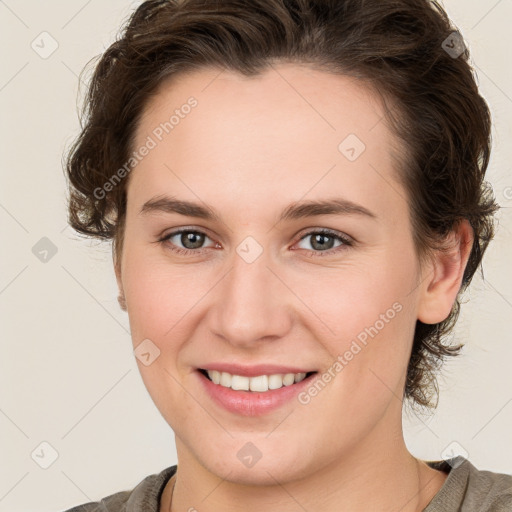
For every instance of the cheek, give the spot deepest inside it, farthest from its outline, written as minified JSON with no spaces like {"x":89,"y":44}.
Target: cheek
{"x":349,"y":301}
{"x":158,"y":294}
{"x":365,"y":318}
{"x":159,"y":300}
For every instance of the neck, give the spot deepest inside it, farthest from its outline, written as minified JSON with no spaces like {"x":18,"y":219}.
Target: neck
{"x":390,"y":483}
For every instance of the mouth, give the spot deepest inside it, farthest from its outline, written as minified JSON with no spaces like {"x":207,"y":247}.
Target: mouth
{"x":256,"y":384}
{"x":259,"y":392}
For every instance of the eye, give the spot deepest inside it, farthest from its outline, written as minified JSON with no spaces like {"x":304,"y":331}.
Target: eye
{"x":323,"y":240}
{"x":191,"y":240}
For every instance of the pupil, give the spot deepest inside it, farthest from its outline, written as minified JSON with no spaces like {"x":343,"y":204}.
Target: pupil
{"x":188,"y":238}
{"x":321,"y":244}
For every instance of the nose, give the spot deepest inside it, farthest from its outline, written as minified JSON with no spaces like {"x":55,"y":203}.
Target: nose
{"x":251,"y":303}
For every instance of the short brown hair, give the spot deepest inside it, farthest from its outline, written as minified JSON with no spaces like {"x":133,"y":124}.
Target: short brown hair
{"x":396,"y":46}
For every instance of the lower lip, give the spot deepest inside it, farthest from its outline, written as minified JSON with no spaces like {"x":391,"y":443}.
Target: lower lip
{"x":253,"y":403}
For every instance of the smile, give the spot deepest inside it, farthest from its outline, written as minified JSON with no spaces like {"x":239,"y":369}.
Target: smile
{"x":259,"y":383}
{"x":255,"y":395}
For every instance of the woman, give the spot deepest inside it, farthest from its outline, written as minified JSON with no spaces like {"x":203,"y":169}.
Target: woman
{"x":295,"y":194}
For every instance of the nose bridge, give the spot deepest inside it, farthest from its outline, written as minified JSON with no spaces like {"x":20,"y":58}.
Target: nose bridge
{"x":251,"y":302}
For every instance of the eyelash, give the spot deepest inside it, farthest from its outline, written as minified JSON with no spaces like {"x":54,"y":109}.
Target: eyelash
{"x":346,"y":242}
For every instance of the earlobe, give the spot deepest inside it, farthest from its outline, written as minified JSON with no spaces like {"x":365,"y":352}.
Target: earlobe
{"x":120,"y":298}
{"x":117,"y":269}
{"x":122,"y":301}
{"x":446,"y":273}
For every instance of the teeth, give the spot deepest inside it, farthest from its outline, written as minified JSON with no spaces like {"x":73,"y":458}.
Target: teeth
{"x":260,"y":383}
{"x":241,"y":383}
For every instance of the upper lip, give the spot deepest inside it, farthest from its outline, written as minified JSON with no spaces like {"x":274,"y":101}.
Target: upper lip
{"x":254,"y":370}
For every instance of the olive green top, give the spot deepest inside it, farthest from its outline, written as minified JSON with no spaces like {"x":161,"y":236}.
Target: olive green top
{"x":467,"y":489}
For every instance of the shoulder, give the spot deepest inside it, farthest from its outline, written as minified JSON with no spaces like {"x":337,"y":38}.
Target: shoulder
{"x":471,"y":489}
{"x":488,"y":490}
{"x":145,"y":496}
{"x":113,"y":503}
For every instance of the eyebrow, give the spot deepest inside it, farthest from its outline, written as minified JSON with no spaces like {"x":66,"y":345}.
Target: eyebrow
{"x":294,"y":211}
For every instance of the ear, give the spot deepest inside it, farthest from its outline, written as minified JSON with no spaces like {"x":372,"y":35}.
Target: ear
{"x":445,"y":275}
{"x":117,"y":269}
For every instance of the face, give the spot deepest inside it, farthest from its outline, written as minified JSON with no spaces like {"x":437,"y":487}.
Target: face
{"x":265,"y":278}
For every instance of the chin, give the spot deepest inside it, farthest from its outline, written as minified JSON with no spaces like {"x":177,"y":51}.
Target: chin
{"x":256,"y":463}
{"x":270,"y":474}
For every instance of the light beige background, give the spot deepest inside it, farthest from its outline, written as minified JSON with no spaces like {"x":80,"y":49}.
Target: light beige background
{"x":68,"y":375}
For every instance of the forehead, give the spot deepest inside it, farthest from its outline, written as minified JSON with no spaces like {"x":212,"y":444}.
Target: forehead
{"x":291,"y":126}
{"x":281,"y":94}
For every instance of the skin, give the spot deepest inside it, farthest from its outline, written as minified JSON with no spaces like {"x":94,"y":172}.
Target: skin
{"x":251,"y":147}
